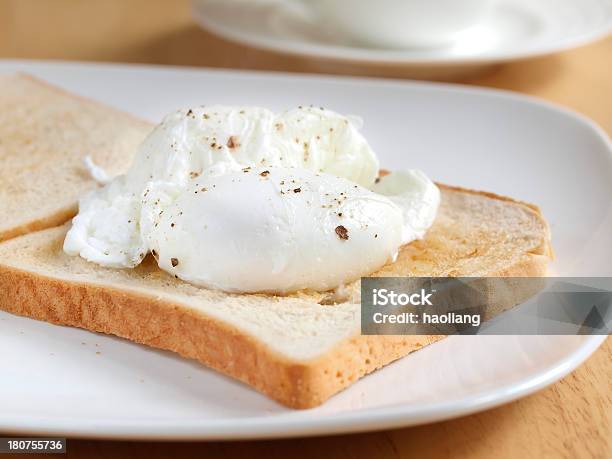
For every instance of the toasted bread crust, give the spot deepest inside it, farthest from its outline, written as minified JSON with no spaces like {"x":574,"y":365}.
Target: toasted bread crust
{"x":59,"y":217}
{"x":214,"y":343}
{"x":217,"y":344}
{"x":28,"y":100}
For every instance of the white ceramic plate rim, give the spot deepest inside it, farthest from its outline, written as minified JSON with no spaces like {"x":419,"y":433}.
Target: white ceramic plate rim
{"x":351,"y":421}
{"x":393,"y":57}
{"x":266,"y":427}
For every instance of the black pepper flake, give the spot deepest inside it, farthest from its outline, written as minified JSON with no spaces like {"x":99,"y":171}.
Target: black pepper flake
{"x":265,"y":173}
{"x":375,"y":236}
{"x":190,"y":112}
{"x":206,"y":116}
{"x":339,"y":214}
{"x":342,"y":232}
{"x":377,"y":180}
{"x":233,"y":142}
{"x":171,"y":225}
{"x":174,"y":261}
{"x":297,"y":190}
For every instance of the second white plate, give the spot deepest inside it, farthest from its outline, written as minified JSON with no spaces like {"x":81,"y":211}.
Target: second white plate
{"x":514,"y":29}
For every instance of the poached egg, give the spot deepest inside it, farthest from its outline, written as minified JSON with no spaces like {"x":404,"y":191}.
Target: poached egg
{"x":245,"y":200}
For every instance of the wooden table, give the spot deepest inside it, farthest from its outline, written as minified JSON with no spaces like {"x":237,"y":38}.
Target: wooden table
{"x":572,"y":418}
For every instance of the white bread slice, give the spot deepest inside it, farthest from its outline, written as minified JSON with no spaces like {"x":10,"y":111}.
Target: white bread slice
{"x":44,"y":135}
{"x":293,"y":349}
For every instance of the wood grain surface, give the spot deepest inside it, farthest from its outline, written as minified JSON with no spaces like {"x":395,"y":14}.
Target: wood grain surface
{"x":572,"y":418}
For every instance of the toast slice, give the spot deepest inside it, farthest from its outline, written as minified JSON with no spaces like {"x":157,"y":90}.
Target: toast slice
{"x":297,"y":349}
{"x":44,"y":135}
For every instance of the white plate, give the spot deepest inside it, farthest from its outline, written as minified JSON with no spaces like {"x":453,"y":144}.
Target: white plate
{"x":75,"y":383}
{"x":514,"y":29}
